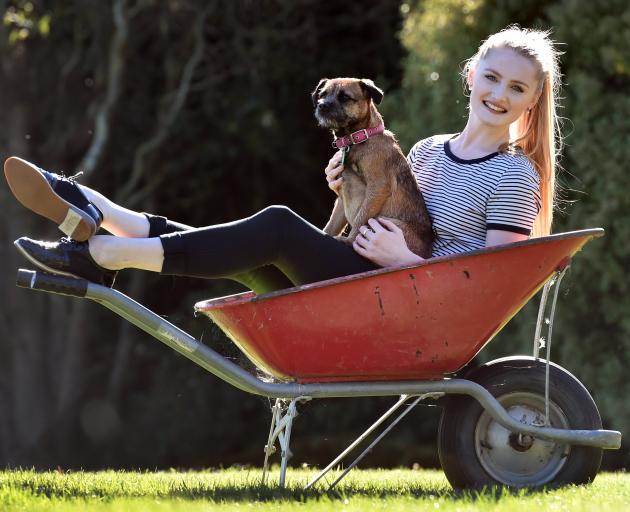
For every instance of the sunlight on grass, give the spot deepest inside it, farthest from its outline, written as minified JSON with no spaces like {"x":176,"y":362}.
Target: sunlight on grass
{"x":239,"y":489}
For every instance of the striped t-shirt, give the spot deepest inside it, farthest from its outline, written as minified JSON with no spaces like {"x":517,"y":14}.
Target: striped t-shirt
{"x":465,"y":198}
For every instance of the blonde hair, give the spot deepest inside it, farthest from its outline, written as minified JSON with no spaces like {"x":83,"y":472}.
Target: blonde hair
{"x":537,"y":132}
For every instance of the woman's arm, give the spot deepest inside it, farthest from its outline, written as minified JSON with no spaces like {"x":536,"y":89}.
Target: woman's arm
{"x":383,"y":243}
{"x":500,"y":237}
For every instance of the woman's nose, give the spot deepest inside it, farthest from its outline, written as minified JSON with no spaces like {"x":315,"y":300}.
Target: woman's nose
{"x":500,"y":92}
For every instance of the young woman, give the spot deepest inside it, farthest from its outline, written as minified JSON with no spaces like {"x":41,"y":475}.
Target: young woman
{"x":491,"y":184}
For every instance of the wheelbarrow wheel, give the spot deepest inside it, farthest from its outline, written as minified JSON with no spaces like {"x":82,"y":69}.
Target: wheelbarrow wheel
{"x":475,"y":451}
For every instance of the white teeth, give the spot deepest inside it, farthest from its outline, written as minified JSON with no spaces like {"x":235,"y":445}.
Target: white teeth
{"x":494,"y":107}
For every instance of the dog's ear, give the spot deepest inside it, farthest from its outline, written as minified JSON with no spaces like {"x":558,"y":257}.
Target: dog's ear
{"x":373,"y":92}
{"x":319,"y":87}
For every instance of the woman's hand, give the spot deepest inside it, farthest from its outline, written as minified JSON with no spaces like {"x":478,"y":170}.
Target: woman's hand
{"x":382,"y":242}
{"x":333,"y":170}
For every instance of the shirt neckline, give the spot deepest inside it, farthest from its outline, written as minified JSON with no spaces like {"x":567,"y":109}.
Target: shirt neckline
{"x":455,"y":158}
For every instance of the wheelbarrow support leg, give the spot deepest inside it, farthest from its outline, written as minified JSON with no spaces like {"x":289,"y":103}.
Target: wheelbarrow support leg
{"x":362,"y":437}
{"x":375,"y":442}
{"x":270,"y":447}
{"x":280,"y":429}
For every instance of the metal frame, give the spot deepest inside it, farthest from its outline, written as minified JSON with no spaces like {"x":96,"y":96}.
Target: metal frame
{"x":205,"y":357}
{"x":282,"y":416}
{"x":540,"y":342}
{"x":365,"y":434}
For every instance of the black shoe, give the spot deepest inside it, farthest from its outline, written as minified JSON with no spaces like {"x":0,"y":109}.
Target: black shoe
{"x":55,"y":197}
{"x":67,"y":258}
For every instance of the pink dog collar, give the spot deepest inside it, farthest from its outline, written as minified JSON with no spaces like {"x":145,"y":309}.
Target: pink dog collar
{"x":357,"y":137}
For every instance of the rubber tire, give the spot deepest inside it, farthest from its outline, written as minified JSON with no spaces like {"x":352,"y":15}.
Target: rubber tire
{"x":461,"y":413}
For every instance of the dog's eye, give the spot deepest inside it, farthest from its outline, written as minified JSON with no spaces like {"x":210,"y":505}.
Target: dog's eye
{"x":343,"y":97}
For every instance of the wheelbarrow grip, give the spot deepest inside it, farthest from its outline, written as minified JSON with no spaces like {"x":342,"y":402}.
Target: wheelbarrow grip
{"x":63,"y":285}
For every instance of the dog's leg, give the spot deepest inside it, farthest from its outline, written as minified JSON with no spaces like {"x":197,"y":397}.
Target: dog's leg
{"x":337,"y":221}
{"x":375,"y":196}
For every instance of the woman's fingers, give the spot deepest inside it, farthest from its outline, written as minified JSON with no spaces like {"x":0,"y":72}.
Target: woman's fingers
{"x":333,"y":171}
{"x":359,"y":248}
{"x":389,"y":224}
{"x":335,"y":161}
{"x":335,"y":185}
{"x":374,"y":225}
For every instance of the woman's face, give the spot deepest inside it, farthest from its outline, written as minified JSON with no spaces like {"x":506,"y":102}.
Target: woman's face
{"x":502,"y":86}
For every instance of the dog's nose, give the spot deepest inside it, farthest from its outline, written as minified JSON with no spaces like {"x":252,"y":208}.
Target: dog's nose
{"x":323,"y":105}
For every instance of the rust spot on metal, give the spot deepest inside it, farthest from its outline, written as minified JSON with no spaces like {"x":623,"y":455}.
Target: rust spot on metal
{"x":467,"y":274}
{"x":377,"y":292}
{"x":415,"y":289}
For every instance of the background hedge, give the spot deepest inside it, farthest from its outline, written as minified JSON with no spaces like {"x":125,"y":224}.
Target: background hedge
{"x":200,"y":111}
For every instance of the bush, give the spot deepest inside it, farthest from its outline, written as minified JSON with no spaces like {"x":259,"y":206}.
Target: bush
{"x":592,"y":330}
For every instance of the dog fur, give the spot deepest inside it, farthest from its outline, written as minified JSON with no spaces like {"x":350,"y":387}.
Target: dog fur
{"x":377,"y":180}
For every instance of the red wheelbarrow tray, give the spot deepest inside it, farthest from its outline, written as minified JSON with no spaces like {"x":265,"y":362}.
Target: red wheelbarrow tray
{"x":411,"y":323}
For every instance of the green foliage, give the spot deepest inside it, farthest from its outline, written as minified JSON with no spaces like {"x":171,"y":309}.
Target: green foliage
{"x":595,"y":331}
{"x":592,"y":329}
{"x":24,"y":22}
{"x":244,"y":138}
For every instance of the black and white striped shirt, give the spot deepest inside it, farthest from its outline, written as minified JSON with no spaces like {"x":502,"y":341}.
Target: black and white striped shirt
{"x":465,"y":198}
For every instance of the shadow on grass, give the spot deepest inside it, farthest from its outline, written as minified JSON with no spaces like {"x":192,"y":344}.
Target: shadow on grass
{"x":236,"y":493}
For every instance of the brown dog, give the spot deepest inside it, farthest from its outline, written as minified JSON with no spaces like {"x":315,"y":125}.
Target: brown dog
{"x":377,"y":180}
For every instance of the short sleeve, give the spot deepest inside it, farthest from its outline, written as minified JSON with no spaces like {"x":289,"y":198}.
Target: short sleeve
{"x":417,"y":151}
{"x":515,"y":202}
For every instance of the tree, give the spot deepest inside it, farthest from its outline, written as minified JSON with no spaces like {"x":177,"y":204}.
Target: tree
{"x":198,"y":110}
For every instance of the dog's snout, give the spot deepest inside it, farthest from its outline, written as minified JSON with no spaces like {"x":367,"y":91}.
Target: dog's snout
{"x":324,"y":104}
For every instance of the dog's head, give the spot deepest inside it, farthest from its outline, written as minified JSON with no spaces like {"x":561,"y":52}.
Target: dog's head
{"x":343,"y":102}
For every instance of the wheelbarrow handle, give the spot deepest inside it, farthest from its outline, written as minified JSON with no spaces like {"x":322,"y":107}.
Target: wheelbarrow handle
{"x":64,"y":285}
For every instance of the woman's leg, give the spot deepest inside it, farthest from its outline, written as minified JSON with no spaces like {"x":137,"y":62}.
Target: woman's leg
{"x":80,"y":211}
{"x":148,"y":254}
{"x":275,"y":236}
{"x":118,"y":220}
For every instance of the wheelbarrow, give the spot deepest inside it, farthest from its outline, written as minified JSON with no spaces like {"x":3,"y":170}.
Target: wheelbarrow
{"x":520,"y":421}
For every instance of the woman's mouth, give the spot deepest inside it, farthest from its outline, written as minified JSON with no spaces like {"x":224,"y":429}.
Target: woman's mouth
{"x":495,"y":109}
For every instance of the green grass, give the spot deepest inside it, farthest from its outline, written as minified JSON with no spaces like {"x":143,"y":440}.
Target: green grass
{"x":241,"y":489}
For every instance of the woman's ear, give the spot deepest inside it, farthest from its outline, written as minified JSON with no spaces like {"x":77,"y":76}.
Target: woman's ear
{"x":469,"y":77}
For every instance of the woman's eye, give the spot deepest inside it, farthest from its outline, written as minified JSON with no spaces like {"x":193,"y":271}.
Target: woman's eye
{"x":517,"y":88}
{"x":492,"y":78}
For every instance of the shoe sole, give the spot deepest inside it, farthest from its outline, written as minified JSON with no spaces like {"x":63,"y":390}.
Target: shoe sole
{"x":31,"y":188}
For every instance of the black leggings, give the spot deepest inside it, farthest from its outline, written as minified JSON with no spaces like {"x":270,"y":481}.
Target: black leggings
{"x":271,"y":250}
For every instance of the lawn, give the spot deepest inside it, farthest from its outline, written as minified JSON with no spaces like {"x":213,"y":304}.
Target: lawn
{"x":241,"y":489}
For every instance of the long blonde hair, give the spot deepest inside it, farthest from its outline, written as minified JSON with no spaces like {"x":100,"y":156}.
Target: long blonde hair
{"x":537,"y":132}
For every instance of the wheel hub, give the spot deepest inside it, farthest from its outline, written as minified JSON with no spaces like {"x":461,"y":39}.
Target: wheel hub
{"x":521,"y":442}
{"x":520,"y":459}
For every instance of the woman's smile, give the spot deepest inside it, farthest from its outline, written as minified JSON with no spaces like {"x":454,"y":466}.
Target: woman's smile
{"x":494,"y":108}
